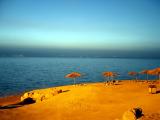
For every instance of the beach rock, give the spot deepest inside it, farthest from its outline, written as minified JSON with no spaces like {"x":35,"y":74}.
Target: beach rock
{"x":25,"y":95}
{"x":57,"y":92}
{"x":43,"y":97}
{"x":48,"y":95}
{"x":40,"y":96}
{"x":129,"y":115}
{"x":132,"y":114}
{"x":60,"y":91}
{"x":138,"y":112}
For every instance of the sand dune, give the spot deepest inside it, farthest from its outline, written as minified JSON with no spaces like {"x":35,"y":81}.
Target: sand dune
{"x":93,"y":101}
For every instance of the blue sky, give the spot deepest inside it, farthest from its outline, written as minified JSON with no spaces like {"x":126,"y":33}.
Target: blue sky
{"x":80,"y":24}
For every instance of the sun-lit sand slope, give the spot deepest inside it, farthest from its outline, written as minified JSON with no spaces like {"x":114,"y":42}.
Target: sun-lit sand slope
{"x":89,"y":102}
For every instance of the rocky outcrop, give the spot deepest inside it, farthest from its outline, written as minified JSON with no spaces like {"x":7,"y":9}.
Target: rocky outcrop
{"x":132,"y":114}
{"x":40,"y":95}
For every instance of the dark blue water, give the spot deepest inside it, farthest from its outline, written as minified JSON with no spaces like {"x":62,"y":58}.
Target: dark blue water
{"x":22,"y":74}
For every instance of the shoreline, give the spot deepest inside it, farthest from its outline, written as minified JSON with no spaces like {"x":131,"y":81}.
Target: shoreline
{"x":86,"y":101}
{"x":21,"y":93}
{"x":16,"y":97}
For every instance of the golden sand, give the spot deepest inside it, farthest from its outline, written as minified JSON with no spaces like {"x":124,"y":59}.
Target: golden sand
{"x":93,"y":101}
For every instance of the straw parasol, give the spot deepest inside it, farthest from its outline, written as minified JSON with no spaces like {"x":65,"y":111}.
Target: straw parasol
{"x":145,"y":72}
{"x":73,"y":76}
{"x":132,"y":73}
{"x":151,"y":72}
{"x":108,"y":74}
{"x":157,"y":72}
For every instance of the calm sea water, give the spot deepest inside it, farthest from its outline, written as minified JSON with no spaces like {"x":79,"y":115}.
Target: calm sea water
{"x":23,"y":74}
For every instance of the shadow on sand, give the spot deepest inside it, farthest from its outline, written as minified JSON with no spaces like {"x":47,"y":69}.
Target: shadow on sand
{"x":158,"y":91}
{"x":20,"y":104}
{"x":26,"y":101}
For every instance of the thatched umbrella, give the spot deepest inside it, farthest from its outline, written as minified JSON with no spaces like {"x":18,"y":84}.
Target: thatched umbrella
{"x":73,"y":76}
{"x":151,"y":72}
{"x":108,"y":74}
{"x":157,"y":71}
{"x":145,"y":72}
{"x":115,"y":74}
{"x":134,"y":74}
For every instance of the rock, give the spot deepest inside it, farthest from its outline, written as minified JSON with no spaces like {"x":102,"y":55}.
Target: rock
{"x":42,"y":98}
{"x":49,"y":95}
{"x":132,"y":114}
{"x":60,"y":91}
{"x":57,"y":92}
{"x":137,"y":112}
{"x":36,"y":95}
{"x":33,"y":95}
{"x":25,"y":95}
{"x":22,"y":98}
{"x":40,"y":95}
{"x":129,"y":115}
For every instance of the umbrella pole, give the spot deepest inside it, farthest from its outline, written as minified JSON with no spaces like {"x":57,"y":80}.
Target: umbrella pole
{"x":147,"y":76}
{"x":137,"y":77}
{"x":74,"y":79}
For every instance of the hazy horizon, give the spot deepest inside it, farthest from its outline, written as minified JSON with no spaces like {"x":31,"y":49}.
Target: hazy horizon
{"x":105,"y":28}
{"x":85,"y":53}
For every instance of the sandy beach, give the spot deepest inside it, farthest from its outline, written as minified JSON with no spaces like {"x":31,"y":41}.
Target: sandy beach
{"x":92,"y":101}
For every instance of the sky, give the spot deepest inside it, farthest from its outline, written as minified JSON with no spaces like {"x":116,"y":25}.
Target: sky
{"x":125,"y":25}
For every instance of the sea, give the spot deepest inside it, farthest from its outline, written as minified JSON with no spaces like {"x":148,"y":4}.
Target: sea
{"x":21,"y":74}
